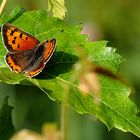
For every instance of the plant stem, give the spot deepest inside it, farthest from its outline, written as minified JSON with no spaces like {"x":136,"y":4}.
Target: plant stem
{"x":64,"y":111}
{"x":64,"y":106}
{"x":2,"y":6}
{"x":63,"y":121}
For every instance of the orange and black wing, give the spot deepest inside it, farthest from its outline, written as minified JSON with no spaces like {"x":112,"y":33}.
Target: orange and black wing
{"x":17,"y":40}
{"x":12,"y":63}
{"x":18,"y":61}
{"x":48,"y":52}
{"x":36,"y":71}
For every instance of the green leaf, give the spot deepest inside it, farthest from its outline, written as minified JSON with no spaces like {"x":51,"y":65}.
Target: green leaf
{"x":6,"y":125}
{"x":57,"y":8}
{"x":115,"y":109}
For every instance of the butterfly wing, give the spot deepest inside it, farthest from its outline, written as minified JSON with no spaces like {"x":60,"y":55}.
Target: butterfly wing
{"x":18,"y":61}
{"x":36,"y":71}
{"x":23,"y":50}
{"x":12,"y":63}
{"x":17,"y":40}
{"x":49,"y":48}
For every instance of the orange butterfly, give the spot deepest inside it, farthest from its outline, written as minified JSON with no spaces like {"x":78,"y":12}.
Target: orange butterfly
{"x":24,"y":52}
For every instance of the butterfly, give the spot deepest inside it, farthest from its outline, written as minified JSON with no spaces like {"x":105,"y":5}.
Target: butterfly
{"x":24,"y":52}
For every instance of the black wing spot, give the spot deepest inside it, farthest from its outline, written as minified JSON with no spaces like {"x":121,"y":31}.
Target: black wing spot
{"x":15,"y":62}
{"x":16,"y":69}
{"x":13,"y":41}
{"x":18,"y":46}
{"x":20,"y":35}
{"x":26,"y":38}
{"x":15,"y":37}
{"x":11,"y":67}
{"x":12,"y":32}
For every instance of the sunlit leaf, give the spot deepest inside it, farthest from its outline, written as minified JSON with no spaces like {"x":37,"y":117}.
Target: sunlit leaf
{"x":57,"y":7}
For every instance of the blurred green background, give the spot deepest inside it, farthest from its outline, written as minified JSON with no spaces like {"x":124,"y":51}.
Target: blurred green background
{"x":117,"y":21}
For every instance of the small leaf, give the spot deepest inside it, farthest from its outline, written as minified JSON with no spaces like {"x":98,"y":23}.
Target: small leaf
{"x":57,"y":7}
{"x":6,"y":125}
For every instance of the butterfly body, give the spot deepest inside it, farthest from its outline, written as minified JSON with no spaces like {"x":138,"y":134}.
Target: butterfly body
{"x":24,"y":52}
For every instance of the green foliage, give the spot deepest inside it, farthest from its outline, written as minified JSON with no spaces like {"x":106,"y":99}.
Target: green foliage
{"x":6,"y":125}
{"x":115,"y":109}
{"x":57,"y":8}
